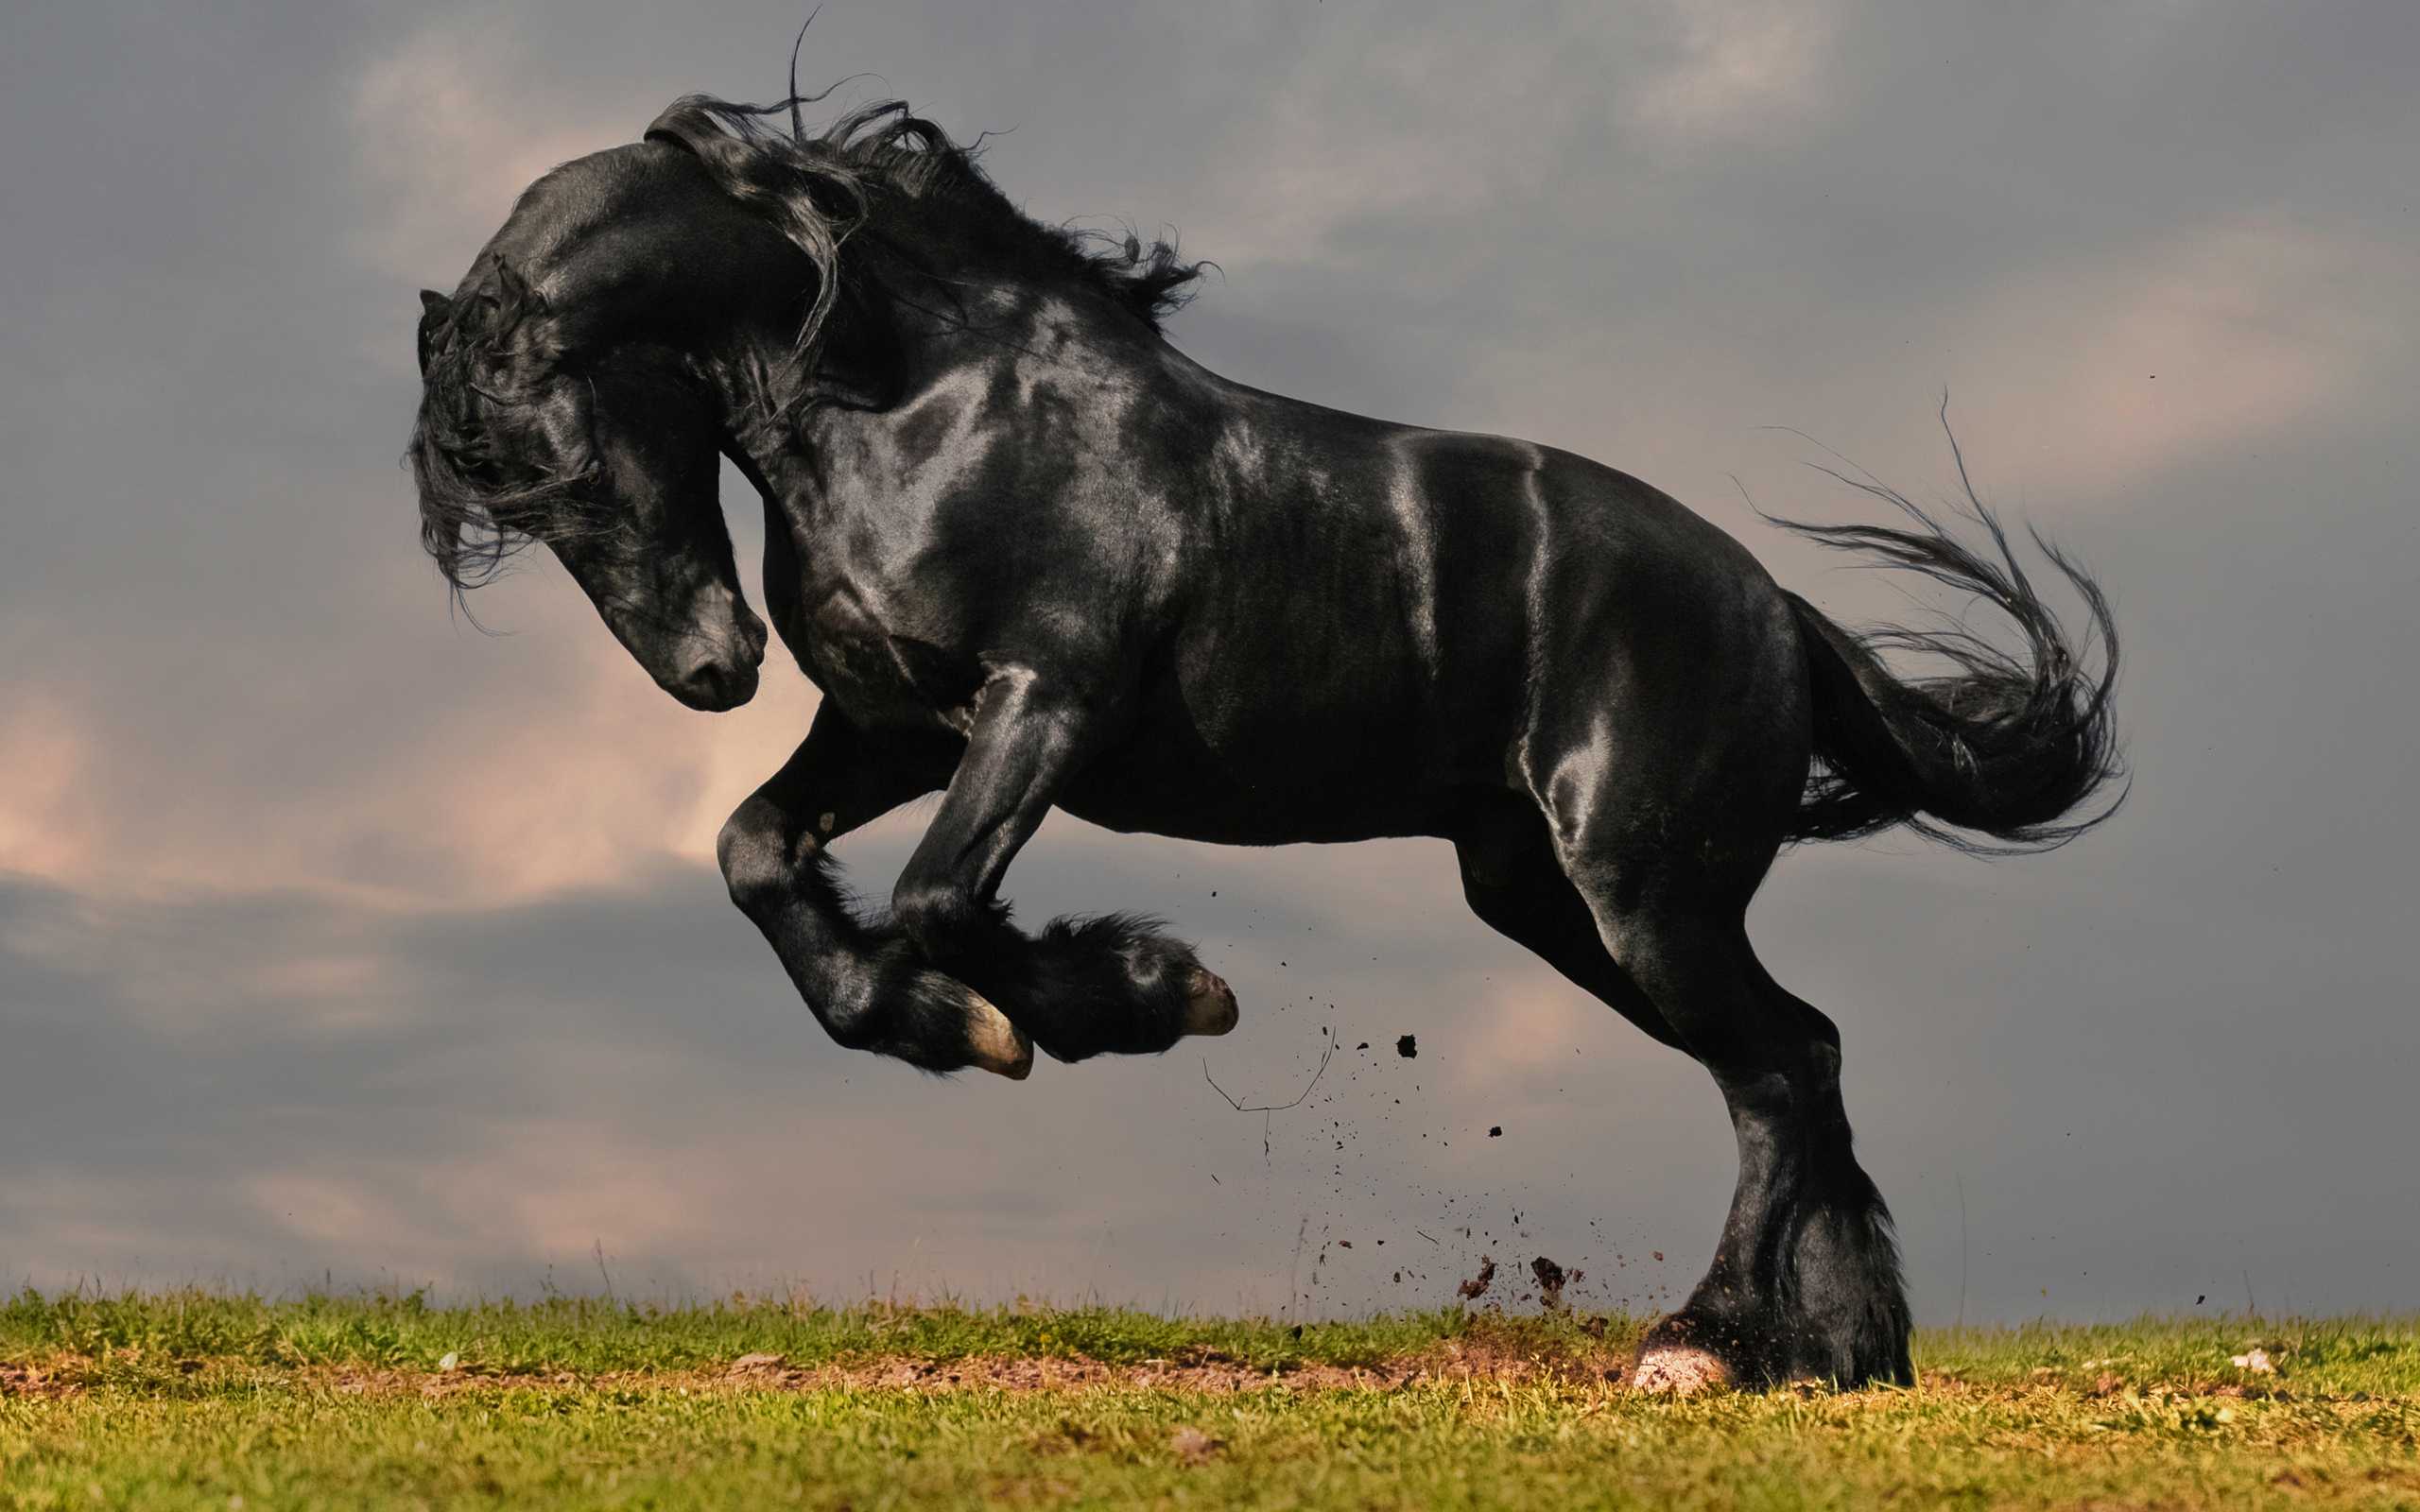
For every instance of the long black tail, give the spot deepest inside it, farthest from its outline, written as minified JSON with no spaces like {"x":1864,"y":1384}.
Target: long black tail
{"x":1999,"y":757}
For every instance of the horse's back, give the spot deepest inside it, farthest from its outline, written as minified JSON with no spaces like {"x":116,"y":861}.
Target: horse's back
{"x":1383,"y":623}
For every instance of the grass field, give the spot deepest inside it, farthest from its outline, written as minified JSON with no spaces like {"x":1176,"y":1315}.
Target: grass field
{"x":199,"y":1399}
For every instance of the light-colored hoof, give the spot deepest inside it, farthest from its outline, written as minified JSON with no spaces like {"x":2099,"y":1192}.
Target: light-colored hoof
{"x":1212,"y":1009}
{"x":995,"y":1044}
{"x":1678,"y":1371}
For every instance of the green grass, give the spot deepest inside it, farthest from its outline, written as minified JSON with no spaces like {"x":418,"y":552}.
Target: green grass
{"x":193,"y":1400}
{"x":593,"y":1335}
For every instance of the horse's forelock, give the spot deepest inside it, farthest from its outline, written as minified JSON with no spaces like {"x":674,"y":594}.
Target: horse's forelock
{"x":475,"y":351}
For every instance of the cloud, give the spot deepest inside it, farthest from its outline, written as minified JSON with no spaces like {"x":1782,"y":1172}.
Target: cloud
{"x":448,"y":130}
{"x":578,"y":780}
{"x":1426,"y":125}
{"x":2074,"y":382}
{"x":550,"y":762}
{"x":2205,"y":343}
{"x":47,"y":824}
{"x":1738,"y":68}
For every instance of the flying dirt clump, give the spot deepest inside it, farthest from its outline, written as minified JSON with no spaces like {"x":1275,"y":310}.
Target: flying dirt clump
{"x":1477,"y":1285}
{"x":1409,"y":1046}
{"x":1550,"y":1279}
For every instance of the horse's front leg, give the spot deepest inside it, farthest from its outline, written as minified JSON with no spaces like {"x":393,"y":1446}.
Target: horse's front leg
{"x":1081,"y":988}
{"x":869,"y":987}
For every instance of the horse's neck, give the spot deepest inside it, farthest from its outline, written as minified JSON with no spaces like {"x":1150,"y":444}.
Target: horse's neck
{"x":949,"y":327}
{"x":951,"y":333}
{"x":824,"y":461}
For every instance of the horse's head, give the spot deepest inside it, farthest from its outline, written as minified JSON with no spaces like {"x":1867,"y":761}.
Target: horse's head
{"x":578,"y":384}
{"x":577,"y":392}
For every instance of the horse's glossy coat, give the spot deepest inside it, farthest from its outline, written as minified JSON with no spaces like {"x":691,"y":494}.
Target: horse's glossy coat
{"x":1032,"y":555}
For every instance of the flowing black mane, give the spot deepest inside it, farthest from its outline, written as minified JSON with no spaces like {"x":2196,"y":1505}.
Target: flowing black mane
{"x":896,"y":175}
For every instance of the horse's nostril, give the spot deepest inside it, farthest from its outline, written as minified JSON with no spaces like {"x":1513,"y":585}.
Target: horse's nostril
{"x":716,"y":686}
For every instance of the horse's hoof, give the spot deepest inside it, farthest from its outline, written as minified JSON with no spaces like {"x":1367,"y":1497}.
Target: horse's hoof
{"x":995,"y":1044}
{"x":1212,"y":1008}
{"x":1678,"y":1370}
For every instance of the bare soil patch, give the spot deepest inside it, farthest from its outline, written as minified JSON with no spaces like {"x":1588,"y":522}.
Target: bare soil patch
{"x":32,"y":1381}
{"x":1492,"y":1349}
{"x":1204,"y":1372}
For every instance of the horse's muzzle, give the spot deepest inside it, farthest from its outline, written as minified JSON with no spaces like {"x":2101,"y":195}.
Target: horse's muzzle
{"x":715,"y":686}
{"x":720,"y":672}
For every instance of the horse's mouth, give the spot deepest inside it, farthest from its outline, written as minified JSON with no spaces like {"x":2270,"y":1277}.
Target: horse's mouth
{"x":712,"y":687}
{"x":708,"y":671}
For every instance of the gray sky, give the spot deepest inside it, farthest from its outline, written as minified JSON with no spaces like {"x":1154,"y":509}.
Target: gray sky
{"x":337,"y":938}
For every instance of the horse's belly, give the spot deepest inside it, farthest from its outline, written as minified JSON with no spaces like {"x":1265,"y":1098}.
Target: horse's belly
{"x":1344,"y":774}
{"x":1178,"y":804}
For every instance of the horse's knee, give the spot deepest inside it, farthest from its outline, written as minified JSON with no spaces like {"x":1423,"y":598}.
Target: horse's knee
{"x":754,"y":852}
{"x":935,"y":912}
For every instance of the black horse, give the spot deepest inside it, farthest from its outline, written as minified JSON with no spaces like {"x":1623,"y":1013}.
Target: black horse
{"x":1032,"y":555}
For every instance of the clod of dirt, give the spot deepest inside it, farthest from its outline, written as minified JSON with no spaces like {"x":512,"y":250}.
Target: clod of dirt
{"x":755,"y":1362}
{"x":1193,"y":1446}
{"x":1409,"y":1046}
{"x":1551,"y":1281}
{"x":1477,"y":1285}
{"x":1682,"y":1372}
{"x":1495,"y":1131}
{"x":1069,"y":1439}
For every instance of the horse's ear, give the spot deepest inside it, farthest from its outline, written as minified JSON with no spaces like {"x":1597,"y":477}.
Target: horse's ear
{"x":668,"y":128}
{"x":436,"y":310}
{"x":692,"y":130}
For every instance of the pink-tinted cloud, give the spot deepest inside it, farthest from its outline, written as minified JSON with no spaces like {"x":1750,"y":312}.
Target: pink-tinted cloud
{"x":2202,"y":345}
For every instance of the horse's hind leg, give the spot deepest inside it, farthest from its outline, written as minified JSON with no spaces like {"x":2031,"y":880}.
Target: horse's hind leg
{"x":1669,"y":771}
{"x":1806,"y":1280}
{"x":1667,"y":832}
{"x":1514,"y":884}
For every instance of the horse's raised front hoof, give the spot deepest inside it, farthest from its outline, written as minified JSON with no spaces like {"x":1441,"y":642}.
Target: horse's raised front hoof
{"x":1677,"y":1370}
{"x":995,"y":1044}
{"x":1212,"y":1006}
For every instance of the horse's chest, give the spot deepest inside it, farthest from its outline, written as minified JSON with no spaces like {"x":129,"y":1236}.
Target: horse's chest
{"x":883,"y":677}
